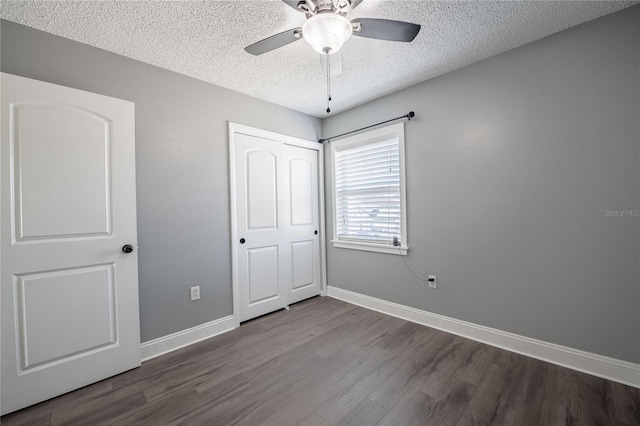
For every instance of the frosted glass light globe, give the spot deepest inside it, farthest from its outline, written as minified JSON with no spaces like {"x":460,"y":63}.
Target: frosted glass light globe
{"x":327,"y":32}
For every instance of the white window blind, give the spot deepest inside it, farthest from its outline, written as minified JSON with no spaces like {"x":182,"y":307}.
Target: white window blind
{"x":367,"y":190}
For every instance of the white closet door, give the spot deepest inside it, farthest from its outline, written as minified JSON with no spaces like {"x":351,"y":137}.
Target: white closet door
{"x":262,"y":262}
{"x":276,"y":245}
{"x":69,"y":292}
{"x":303,"y":236}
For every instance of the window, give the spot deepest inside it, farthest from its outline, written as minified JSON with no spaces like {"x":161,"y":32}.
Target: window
{"x":369,"y":191}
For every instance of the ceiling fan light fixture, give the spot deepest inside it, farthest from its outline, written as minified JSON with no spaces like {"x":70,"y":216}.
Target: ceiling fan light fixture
{"x":327,"y":32}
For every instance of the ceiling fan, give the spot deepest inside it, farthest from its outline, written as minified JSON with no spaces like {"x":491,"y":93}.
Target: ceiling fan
{"x":327,"y":28}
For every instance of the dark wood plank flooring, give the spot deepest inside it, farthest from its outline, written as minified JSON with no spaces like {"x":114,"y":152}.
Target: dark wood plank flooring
{"x":326,"y":362}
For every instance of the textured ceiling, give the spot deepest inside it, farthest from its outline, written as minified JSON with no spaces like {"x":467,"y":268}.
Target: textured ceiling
{"x":205,"y":40}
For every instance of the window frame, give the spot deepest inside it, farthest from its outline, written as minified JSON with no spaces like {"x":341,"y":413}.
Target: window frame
{"x":394,"y":131}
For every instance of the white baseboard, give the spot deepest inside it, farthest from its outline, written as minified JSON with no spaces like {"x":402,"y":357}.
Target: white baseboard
{"x":171,"y":342}
{"x":597,"y":365}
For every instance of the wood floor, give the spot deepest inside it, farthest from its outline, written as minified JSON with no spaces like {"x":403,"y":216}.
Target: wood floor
{"x":326,"y":362}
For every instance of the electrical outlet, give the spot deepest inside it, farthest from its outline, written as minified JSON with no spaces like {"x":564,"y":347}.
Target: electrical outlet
{"x":432,"y":281}
{"x":195,"y":292}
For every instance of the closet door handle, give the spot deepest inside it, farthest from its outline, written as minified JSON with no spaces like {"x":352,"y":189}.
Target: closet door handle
{"x":315,"y":232}
{"x":242,"y":240}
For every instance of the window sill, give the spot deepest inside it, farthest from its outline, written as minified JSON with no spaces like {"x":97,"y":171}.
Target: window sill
{"x":378,"y":248}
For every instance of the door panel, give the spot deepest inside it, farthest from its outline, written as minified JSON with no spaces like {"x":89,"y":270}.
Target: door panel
{"x":55,"y":197}
{"x":261,"y":272}
{"x":261,"y":187}
{"x":302,"y":264}
{"x":69,"y":294}
{"x":302,"y":230}
{"x":50,"y":335}
{"x":264,"y":279}
{"x":301,"y":192}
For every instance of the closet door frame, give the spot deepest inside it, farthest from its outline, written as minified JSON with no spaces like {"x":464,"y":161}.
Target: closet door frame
{"x":236,"y":128}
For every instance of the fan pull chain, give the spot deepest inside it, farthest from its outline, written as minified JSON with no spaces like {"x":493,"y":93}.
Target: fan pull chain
{"x":328,"y":82}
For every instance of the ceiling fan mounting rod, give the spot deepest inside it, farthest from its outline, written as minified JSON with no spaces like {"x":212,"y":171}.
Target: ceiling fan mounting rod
{"x":314,"y":7}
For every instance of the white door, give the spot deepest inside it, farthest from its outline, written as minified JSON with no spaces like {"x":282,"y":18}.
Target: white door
{"x":262,"y":271}
{"x":302,"y":231}
{"x":277,"y":233}
{"x":69,"y":291}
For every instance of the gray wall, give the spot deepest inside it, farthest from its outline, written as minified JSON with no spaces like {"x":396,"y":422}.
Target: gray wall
{"x":182,"y":167}
{"x":511,"y":164}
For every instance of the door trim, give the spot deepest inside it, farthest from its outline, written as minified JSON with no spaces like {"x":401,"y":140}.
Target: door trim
{"x":235,"y":128}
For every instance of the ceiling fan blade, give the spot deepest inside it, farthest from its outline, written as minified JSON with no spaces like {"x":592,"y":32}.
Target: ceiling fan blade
{"x":293,"y":4}
{"x":273,"y":42}
{"x":385,"y":29}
